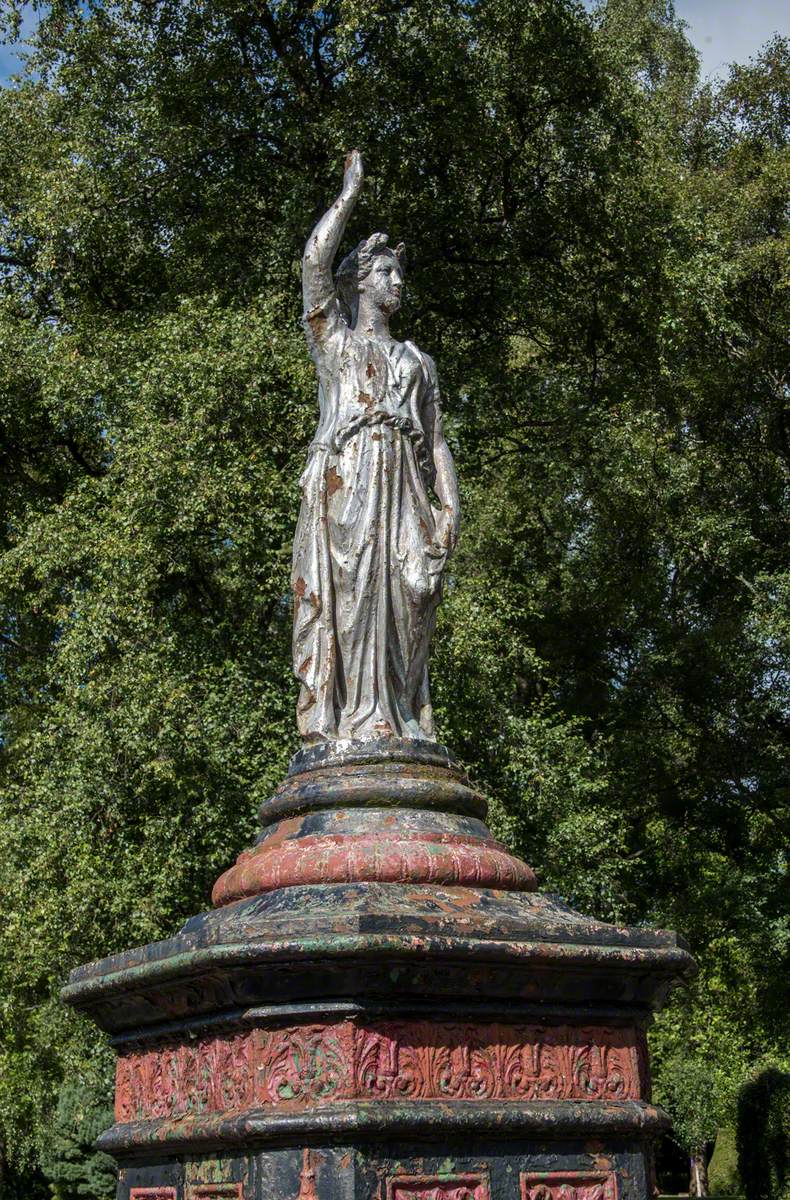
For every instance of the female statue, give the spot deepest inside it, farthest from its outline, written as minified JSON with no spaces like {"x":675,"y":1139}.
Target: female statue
{"x":370,"y":546}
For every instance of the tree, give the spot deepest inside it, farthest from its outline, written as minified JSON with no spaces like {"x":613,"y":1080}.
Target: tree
{"x":73,"y":1166}
{"x":689,"y":1093}
{"x":596,"y":252}
{"x":763,"y":1135}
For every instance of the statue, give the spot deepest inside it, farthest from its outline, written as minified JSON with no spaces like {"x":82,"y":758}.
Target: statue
{"x":381,"y":1002}
{"x":370,"y":546}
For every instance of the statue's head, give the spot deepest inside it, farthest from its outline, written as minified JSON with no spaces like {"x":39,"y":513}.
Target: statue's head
{"x":374,"y":270}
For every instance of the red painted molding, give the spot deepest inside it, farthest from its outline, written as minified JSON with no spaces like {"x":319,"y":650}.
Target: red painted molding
{"x":569,"y":1185}
{"x":446,"y":859}
{"x":152,"y":1193}
{"x":304,"y":1066}
{"x":473,"y":1186}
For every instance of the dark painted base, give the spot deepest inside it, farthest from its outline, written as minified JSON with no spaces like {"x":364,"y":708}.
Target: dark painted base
{"x":373,"y":1019}
{"x":439,"y":1169}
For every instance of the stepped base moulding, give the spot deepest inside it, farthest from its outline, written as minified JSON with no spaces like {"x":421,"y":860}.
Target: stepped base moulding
{"x":381,"y":1005}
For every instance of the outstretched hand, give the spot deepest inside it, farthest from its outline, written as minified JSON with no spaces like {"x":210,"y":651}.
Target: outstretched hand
{"x":354,"y":174}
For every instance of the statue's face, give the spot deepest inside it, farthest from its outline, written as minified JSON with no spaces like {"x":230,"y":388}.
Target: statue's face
{"x":383,"y":284}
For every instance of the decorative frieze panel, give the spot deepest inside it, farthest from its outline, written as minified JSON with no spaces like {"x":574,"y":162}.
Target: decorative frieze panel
{"x":438,"y":1187}
{"x":306,"y":1065}
{"x":569,"y":1185}
{"x":152,"y":1193}
{"x":211,"y":1075}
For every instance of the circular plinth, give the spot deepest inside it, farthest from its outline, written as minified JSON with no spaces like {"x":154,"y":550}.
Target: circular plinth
{"x":389,"y":811}
{"x":394,"y":772}
{"x":352,"y":752}
{"x":376,"y":857}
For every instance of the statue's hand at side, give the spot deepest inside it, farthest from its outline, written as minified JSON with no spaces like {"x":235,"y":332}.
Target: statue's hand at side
{"x":447,"y":528}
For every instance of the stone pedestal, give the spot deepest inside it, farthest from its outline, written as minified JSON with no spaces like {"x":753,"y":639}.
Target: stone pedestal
{"x":382,"y":1006}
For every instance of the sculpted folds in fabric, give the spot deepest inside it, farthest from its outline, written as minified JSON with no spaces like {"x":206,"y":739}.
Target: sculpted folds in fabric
{"x":368,"y":555}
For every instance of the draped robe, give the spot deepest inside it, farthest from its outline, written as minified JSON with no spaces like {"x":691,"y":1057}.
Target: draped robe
{"x":366,"y":567}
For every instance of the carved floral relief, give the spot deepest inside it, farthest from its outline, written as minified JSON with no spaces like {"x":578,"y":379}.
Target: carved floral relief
{"x":302,"y":1066}
{"x":569,"y":1185}
{"x":434,"y":1187}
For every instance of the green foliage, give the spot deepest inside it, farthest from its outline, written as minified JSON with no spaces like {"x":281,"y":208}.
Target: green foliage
{"x":598,"y":260}
{"x":764,"y":1135}
{"x":723,"y":1177}
{"x":692,"y":1091}
{"x":76,"y":1170}
{"x":22,"y":1184}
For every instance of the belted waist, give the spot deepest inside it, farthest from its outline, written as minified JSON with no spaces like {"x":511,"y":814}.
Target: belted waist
{"x":377,"y":417}
{"x":380,"y":417}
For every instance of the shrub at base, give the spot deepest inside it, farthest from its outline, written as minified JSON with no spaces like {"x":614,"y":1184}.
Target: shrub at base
{"x":723,"y":1177}
{"x":74,"y":1168}
{"x":764,"y":1136}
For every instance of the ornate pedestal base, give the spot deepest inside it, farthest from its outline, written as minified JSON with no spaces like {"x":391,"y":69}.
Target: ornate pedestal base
{"x":383,"y":1007}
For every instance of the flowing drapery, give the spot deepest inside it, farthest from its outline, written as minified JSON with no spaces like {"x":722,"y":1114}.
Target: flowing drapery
{"x":366,"y":567}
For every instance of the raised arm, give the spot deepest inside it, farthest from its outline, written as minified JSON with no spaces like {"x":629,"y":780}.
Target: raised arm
{"x":321,"y":248}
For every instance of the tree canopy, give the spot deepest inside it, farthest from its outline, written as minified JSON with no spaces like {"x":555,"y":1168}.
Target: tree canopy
{"x":598,"y":260}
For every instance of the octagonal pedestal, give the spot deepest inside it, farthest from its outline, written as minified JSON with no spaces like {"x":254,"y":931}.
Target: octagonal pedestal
{"x":382,"y":1006}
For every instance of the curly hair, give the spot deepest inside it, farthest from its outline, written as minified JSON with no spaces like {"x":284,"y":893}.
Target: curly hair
{"x":358,"y":264}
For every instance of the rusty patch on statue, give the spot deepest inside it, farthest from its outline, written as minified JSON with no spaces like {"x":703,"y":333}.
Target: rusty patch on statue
{"x":317,"y":323}
{"x":300,"y":587}
{"x":333,"y":482}
{"x":366,"y":399}
{"x":283,"y":832}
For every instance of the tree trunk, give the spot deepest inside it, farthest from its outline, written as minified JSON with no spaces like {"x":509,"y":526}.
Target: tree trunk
{"x":698,"y":1183}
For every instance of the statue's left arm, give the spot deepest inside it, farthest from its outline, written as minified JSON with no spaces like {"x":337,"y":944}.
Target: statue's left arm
{"x":448,"y":522}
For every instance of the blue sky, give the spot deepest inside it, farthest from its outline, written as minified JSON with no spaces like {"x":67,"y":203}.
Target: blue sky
{"x":726,"y":31}
{"x":9,"y":57}
{"x":723,"y":31}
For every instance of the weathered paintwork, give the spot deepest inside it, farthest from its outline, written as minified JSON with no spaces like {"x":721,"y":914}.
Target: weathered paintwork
{"x":442,"y":1169}
{"x":394,"y":771}
{"x":311,"y":1064}
{"x":364,"y":1011}
{"x":386,"y":812}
